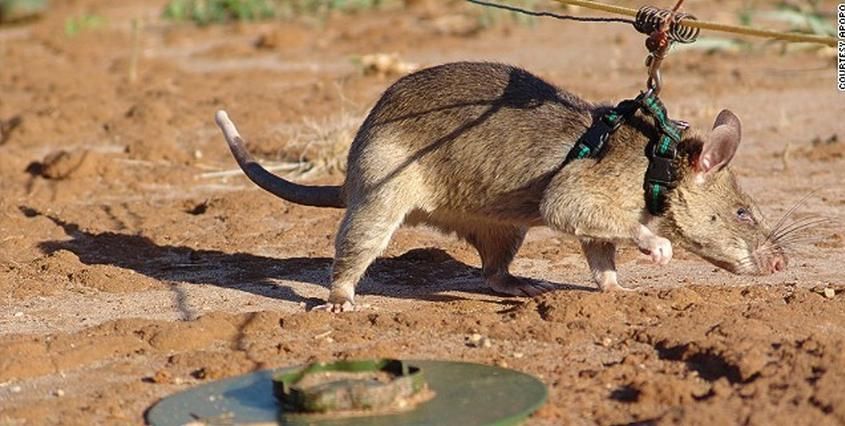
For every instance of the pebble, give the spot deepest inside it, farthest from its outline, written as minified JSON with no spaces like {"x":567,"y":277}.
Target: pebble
{"x":15,"y":389}
{"x":59,"y":393}
{"x":829,"y":293}
{"x":162,"y":376}
{"x":324,"y":335}
{"x":476,"y":340}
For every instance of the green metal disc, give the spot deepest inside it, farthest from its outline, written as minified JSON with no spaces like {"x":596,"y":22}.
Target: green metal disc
{"x":465,"y":394}
{"x":370,"y":384}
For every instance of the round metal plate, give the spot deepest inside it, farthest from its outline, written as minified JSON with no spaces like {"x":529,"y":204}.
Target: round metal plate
{"x":465,"y":394}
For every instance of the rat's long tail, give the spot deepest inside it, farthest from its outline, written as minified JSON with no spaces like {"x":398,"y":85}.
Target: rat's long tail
{"x":317,"y":196}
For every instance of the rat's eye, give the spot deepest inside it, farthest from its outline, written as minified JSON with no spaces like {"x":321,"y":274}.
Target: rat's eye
{"x":744,"y":215}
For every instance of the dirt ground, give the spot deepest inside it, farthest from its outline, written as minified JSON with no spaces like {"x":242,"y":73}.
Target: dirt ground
{"x":131,"y":268}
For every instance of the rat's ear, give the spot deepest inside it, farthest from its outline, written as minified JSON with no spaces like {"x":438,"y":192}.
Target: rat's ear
{"x":721,"y":144}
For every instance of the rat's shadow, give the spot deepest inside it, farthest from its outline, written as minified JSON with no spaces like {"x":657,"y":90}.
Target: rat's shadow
{"x":416,"y":274}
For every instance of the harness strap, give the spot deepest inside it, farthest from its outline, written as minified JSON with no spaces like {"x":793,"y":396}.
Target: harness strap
{"x":593,"y":140}
{"x":662,"y":173}
{"x":662,"y":153}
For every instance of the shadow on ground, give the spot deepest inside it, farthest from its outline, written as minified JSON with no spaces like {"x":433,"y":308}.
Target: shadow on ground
{"x":417,"y":274}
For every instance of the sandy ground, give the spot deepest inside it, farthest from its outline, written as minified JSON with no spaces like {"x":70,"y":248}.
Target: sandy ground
{"x":129,"y":270}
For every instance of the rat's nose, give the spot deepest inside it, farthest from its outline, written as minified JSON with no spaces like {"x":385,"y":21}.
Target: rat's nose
{"x":777,"y":264}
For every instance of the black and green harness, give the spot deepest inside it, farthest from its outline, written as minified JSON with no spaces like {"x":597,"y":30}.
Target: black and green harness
{"x":662,"y":174}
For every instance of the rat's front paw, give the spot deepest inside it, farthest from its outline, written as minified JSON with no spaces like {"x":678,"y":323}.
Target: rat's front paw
{"x":659,"y":248}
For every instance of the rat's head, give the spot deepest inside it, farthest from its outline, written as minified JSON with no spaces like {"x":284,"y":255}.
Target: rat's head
{"x":708,"y":212}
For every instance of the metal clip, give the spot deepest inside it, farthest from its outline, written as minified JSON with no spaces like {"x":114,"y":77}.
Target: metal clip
{"x":655,"y":81}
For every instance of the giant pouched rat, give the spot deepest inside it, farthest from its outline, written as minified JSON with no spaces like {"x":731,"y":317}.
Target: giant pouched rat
{"x":478,"y":149}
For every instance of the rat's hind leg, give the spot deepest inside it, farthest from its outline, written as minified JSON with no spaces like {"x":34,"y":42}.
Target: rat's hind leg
{"x":497,"y":245}
{"x":364,"y":233}
{"x":601,"y":256}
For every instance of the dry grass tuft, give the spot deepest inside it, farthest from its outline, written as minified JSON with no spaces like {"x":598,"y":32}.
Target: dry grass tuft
{"x":321,"y":145}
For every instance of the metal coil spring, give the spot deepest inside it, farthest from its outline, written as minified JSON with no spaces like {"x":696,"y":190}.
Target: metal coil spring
{"x":649,"y":19}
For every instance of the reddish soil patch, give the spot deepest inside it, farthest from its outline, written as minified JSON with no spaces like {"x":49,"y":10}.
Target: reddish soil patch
{"x":128,"y":272}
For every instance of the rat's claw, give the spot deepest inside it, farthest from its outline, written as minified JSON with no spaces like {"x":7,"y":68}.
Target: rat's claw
{"x":532,"y":289}
{"x":660,"y":250}
{"x":346,"y":306}
{"x":513,"y":286}
{"x":606,"y":281}
{"x":340,"y":299}
{"x":616,"y":287}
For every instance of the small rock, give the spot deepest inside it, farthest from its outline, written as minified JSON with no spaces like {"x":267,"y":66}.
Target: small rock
{"x":701,"y":388}
{"x":457,"y":25}
{"x":59,"y":393}
{"x":15,"y":389}
{"x":271,"y":40}
{"x":829,"y":293}
{"x":722,"y":388}
{"x":18,"y":314}
{"x":518,"y":355}
{"x":386,"y":64}
{"x":324,"y":335}
{"x":162,"y":376}
{"x":476,"y":340}
{"x":60,"y":164}
{"x":6,"y":127}
{"x":200,"y":374}
{"x":606,"y":341}
{"x":747,"y":391}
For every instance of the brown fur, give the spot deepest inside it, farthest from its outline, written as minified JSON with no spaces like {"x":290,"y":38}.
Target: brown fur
{"x":477,"y":149}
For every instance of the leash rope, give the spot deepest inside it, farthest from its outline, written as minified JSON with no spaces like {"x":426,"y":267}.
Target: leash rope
{"x":681,"y":29}
{"x":663,"y":27}
{"x":711,"y":26}
{"x":551,"y":14}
